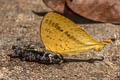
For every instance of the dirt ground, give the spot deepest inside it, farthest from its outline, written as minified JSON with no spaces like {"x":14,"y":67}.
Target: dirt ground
{"x":18,"y":25}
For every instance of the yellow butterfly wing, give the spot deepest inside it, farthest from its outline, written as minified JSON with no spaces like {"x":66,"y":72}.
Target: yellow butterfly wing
{"x":61,"y":35}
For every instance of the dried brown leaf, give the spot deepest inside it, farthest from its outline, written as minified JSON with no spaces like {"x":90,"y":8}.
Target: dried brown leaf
{"x":98,"y":10}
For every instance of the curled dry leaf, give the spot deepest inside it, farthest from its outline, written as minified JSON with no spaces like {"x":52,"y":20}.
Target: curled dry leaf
{"x":98,"y":10}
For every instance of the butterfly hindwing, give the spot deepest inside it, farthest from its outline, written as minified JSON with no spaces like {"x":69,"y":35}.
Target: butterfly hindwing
{"x":61,"y":35}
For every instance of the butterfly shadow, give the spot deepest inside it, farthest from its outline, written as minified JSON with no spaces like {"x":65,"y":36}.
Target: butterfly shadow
{"x":25,"y":54}
{"x":91,"y":60}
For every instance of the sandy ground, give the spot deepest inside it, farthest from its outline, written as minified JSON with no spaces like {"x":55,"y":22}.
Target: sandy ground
{"x":18,"y":25}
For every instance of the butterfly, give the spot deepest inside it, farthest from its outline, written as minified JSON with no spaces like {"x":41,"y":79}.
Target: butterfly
{"x":62,"y":36}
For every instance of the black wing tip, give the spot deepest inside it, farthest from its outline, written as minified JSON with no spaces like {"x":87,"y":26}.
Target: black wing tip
{"x":113,"y":39}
